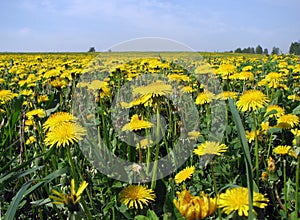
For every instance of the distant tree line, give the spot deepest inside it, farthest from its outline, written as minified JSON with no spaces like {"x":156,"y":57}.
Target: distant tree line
{"x":257,"y":50}
{"x":294,"y":49}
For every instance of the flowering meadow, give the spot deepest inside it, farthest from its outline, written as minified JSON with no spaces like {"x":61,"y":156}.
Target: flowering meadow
{"x":213,"y":137}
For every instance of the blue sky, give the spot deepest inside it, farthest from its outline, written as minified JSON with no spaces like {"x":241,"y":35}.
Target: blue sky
{"x":215,"y":25}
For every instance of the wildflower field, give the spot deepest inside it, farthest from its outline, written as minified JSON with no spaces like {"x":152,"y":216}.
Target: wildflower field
{"x":149,"y":136}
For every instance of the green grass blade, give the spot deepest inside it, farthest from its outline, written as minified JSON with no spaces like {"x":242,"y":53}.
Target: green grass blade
{"x":2,"y":169}
{"x":24,"y":164}
{"x":12,"y":209}
{"x":23,"y":192}
{"x":247,"y":158}
{"x":46,"y":179}
{"x":17,"y":175}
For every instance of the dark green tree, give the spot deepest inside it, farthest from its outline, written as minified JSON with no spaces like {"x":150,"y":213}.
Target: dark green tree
{"x":266,"y":51}
{"x":92,"y":49}
{"x":238,"y":50}
{"x":258,"y":50}
{"x":275,"y":50}
{"x":295,"y":48}
{"x":245,"y":50}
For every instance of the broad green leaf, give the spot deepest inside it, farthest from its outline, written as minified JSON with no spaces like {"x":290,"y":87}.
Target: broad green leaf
{"x":141,"y":217}
{"x":151,"y":215}
{"x":296,"y":110}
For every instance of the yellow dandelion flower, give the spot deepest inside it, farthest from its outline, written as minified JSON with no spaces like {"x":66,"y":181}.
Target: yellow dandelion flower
{"x":6,"y":95}
{"x":125,"y":105}
{"x":283,"y":86}
{"x":203,"y":68}
{"x":136,"y":124}
{"x":184,"y":174}
{"x":76,"y":195}
{"x":211,"y":148}
{"x":226,"y":69}
{"x":194,"y":134}
{"x":296,"y":141}
{"x":144,"y":143}
{"x":251,"y":135}
{"x":52,"y":73}
{"x":282,"y":149}
{"x":247,"y":68}
{"x":29,"y":122}
{"x":28,"y":104}
{"x":236,"y":199}
{"x":178,"y":77}
{"x":43,"y":98}
{"x":252,"y":100}
{"x":36,"y":112}
{"x":274,"y":79}
{"x":141,"y":100}
{"x":72,"y":198}
{"x":97,"y":84}
{"x":64,"y":134}
{"x":293,"y":153}
{"x":188,"y":89}
{"x":58,"y":83}
{"x":30,"y":140}
{"x":57,"y":119}
{"x":244,"y":75}
{"x":226,"y":95}
{"x":296,"y":132}
{"x":294,"y":97}
{"x":204,"y":97}
{"x":287,"y":121}
{"x":265,"y":126}
{"x":194,"y":207}
{"x":158,"y":88}
{"x":59,"y":198}
{"x":264,"y":176}
{"x":271,"y":165}
{"x":136,"y":196}
{"x":278,"y":111}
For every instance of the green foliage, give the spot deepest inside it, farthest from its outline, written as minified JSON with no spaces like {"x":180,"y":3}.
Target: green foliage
{"x":30,"y":172}
{"x":295,"y":48}
{"x":275,"y":50}
{"x":259,"y":49}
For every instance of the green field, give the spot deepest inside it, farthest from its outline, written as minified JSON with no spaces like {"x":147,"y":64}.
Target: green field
{"x":149,"y":136}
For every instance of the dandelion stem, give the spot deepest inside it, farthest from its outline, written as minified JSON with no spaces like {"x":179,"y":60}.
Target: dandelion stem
{"x":269,"y":145}
{"x":72,"y":165}
{"x":256,"y":149}
{"x":297,"y":188}
{"x":22,"y":145}
{"x":284,"y":187}
{"x":156,"y":149}
{"x":215,"y":186}
{"x":148,"y":160}
{"x":141,"y":156}
{"x":86,"y":210}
